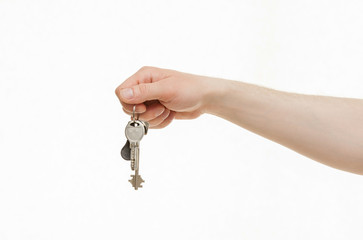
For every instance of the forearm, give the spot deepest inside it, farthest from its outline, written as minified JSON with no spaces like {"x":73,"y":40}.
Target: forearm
{"x":326,"y":129}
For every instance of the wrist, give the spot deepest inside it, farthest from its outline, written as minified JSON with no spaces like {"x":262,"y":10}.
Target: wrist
{"x":216,"y":92}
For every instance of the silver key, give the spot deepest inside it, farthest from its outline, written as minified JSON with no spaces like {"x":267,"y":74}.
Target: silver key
{"x":135,"y":131}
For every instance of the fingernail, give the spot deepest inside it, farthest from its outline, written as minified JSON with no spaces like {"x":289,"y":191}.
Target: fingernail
{"x":127,"y":93}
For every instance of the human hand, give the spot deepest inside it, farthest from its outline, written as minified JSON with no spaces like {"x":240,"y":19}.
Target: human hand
{"x":160,"y":95}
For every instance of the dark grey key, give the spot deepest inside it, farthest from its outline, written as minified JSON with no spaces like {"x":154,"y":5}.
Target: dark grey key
{"x":126,"y":151}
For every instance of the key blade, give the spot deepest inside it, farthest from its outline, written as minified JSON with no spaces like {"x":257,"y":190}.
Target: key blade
{"x":133,"y":155}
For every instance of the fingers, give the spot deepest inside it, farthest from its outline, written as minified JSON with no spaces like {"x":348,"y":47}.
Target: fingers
{"x":147,"y":110}
{"x":128,"y":108}
{"x":160,"y":121}
{"x":153,"y":111}
{"x":166,"y":121}
{"x":156,"y":114}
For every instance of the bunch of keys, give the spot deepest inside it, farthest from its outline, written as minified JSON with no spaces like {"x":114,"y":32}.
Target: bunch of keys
{"x":134,"y":131}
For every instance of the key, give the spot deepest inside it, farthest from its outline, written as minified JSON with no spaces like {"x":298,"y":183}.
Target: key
{"x":126,"y":151}
{"x":146,"y":126}
{"x":135,"y":131}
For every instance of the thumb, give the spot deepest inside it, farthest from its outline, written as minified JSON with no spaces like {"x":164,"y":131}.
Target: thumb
{"x":141,"y":93}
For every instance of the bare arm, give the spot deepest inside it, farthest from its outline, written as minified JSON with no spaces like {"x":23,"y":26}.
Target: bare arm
{"x":326,"y":129}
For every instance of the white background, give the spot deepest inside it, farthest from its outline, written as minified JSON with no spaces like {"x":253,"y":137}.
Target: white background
{"x":61,"y":126}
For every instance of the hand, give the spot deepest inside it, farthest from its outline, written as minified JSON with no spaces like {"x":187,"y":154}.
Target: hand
{"x":160,"y":95}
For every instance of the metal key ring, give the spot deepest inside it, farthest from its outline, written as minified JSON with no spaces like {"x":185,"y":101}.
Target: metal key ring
{"x":133,"y":113}
{"x":135,"y":116}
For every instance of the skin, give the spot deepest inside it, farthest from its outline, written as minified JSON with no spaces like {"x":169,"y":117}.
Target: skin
{"x":326,"y":129}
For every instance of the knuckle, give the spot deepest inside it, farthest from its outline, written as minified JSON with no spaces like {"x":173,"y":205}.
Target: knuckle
{"x":145,"y":68}
{"x":143,"y":89}
{"x":165,"y":114}
{"x":126,"y":111}
{"x":159,"y":111}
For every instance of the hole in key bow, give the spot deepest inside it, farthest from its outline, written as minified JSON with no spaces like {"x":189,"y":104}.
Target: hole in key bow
{"x":134,"y":124}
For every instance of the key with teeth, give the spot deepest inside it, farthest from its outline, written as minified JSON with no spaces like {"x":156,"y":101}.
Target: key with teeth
{"x":134,"y":131}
